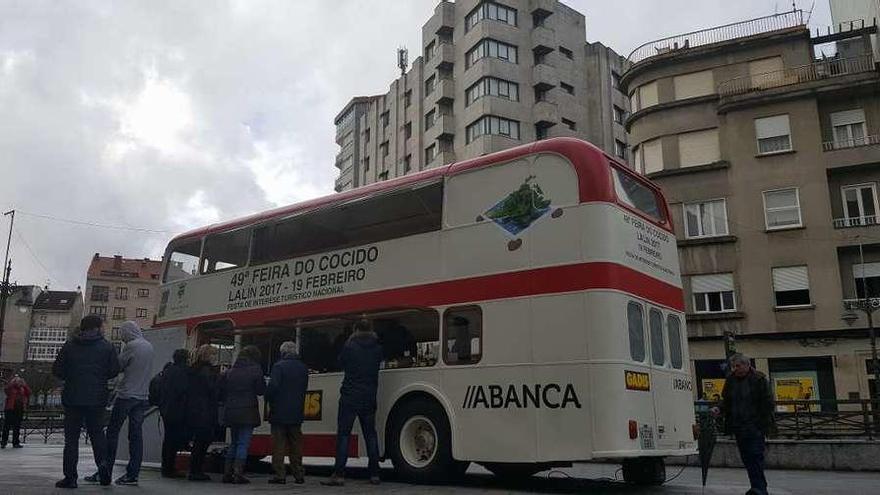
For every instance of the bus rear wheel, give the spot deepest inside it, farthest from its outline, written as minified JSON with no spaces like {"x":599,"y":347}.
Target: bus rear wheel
{"x":644,"y":471}
{"x":420,"y":445}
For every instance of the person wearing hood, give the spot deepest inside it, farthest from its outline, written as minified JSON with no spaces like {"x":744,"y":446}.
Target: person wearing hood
{"x":239,"y":388}
{"x":285,"y":397}
{"x":360,"y":360}
{"x":85,"y":363}
{"x":17,"y":395}
{"x":173,"y":406}
{"x":136,"y":361}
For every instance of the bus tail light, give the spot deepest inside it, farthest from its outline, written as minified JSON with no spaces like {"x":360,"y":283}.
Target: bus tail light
{"x":633,"y":429}
{"x":696,"y":429}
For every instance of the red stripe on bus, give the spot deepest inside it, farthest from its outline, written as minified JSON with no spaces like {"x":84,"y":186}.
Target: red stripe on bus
{"x":539,"y":281}
{"x":314,"y":445}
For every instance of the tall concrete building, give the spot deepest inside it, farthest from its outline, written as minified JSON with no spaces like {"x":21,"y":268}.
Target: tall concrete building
{"x":490,"y":76}
{"x":120,"y":289}
{"x":771,"y":161}
{"x":55,"y":314}
{"x":19,"y":312}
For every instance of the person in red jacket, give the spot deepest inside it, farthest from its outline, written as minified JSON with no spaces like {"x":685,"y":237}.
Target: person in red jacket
{"x":17,"y":395}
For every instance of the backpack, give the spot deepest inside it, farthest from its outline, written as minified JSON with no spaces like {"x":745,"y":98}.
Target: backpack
{"x":155,"y":392}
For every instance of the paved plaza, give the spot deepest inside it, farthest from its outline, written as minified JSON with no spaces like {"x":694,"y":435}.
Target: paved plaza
{"x":34,"y":470}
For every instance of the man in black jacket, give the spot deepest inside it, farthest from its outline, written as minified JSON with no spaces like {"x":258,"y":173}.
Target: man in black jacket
{"x":286,"y":395}
{"x":747,"y":406}
{"x":86,"y":362}
{"x":360,"y":359}
{"x":173,"y":407}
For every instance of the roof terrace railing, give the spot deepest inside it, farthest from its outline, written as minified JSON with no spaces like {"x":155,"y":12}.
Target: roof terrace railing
{"x":822,"y":69}
{"x":718,"y":34}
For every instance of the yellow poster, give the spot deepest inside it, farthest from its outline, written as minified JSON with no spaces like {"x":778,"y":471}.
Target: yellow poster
{"x":794,"y":388}
{"x":712,"y":388}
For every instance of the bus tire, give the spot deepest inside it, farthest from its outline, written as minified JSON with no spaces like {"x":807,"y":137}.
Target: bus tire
{"x":514,"y":471}
{"x":644,"y":471}
{"x":420,"y":445}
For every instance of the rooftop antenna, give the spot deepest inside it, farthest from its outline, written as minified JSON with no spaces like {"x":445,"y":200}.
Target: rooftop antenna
{"x":402,"y":59}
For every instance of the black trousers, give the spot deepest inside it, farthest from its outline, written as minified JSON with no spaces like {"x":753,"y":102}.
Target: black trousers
{"x":12,"y":421}
{"x":174,"y":441}
{"x":93,"y":417}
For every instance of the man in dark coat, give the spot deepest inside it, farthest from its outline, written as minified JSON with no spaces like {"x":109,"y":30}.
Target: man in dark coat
{"x":86,"y":362}
{"x":286,"y":396}
{"x":173,"y":407}
{"x":747,"y":406}
{"x":201,"y":417}
{"x":239,"y":388}
{"x":360,"y":360}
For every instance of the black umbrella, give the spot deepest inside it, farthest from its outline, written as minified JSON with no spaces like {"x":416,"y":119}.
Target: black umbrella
{"x":706,"y":443}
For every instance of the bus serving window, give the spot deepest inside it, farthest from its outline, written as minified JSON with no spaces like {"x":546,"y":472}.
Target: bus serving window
{"x":410,"y":339}
{"x":636,"y":323}
{"x":225,"y":251}
{"x":183,"y":262}
{"x":633,"y":193}
{"x":464,"y":335}
{"x":655,"y":322}
{"x":321,"y":344}
{"x":673,"y":324}
{"x":364,"y":221}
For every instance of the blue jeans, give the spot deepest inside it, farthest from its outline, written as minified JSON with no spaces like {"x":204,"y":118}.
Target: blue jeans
{"x":133,"y":410}
{"x":240,"y":440}
{"x":344,"y":422}
{"x":750,"y":443}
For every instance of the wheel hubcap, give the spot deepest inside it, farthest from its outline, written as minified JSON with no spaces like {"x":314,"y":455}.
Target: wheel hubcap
{"x":418,"y":441}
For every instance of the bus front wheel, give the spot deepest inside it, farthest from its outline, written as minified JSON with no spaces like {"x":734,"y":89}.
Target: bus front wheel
{"x":644,"y":471}
{"x":420,"y":445}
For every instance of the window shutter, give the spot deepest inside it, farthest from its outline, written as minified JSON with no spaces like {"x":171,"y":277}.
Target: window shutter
{"x":870,"y":270}
{"x":856,"y":116}
{"x":790,"y":278}
{"x":652,"y":151}
{"x":769,"y":127}
{"x":634,"y":102}
{"x":693,"y":85}
{"x":698,"y":148}
{"x":712,"y":283}
{"x":759,"y":72}
{"x":648,"y":95}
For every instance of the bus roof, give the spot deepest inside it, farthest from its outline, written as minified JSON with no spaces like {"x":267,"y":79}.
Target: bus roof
{"x":594,"y":183}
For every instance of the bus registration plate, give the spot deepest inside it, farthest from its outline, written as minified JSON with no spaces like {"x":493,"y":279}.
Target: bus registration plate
{"x":646,"y":434}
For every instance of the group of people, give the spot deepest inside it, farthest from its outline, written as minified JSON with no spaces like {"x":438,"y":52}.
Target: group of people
{"x":194,"y":398}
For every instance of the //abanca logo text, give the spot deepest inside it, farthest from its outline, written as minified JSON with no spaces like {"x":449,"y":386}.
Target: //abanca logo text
{"x":551,"y":396}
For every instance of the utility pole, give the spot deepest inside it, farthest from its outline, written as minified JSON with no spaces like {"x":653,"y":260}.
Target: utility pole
{"x":5,"y":288}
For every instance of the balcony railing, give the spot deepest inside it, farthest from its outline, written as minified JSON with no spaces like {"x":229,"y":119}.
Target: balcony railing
{"x":864,"y":221}
{"x":718,"y":35}
{"x":824,"y":69}
{"x":851,"y":143}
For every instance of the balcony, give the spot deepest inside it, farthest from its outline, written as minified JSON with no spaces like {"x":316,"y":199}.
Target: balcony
{"x":444,"y":56}
{"x":544,"y":76}
{"x":443,"y":20}
{"x":864,"y":221}
{"x":443,"y":128}
{"x":546,"y":113}
{"x":542,"y":7}
{"x":682,"y":42}
{"x":444,"y":92}
{"x":543,"y":40}
{"x":851,"y":143}
{"x":821,"y":71}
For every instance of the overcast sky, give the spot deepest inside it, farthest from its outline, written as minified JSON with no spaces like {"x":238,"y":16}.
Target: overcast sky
{"x":168,"y":115}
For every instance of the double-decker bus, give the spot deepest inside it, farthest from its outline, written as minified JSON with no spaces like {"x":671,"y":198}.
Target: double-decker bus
{"x":528,"y":303}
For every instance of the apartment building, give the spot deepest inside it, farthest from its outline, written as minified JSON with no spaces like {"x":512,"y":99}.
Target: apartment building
{"x":19,"y":312}
{"x":489,"y":76}
{"x":770,"y":158}
{"x":55,"y":314}
{"x":120,"y":289}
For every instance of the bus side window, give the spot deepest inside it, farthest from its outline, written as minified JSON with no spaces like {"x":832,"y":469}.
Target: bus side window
{"x":634,"y":194}
{"x":183,"y":262}
{"x":320,"y":346}
{"x":658,"y":352}
{"x":636,"y":324}
{"x":226,"y":251}
{"x":463,"y":335}
{"x":673,"y":324}
{"x":410,"y":339}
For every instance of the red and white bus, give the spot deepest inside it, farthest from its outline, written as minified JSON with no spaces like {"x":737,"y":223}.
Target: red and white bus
{"x":528,"y":302}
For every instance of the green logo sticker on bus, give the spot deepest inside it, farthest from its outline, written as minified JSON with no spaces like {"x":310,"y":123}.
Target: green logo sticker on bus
{"x":521,"y":208}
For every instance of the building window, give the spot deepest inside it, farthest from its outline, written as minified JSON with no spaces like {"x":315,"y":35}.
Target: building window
{"x":652,"y":155}
{"x":430,"y":118}
{"x":698,"y":148}
{"x":491,"y":124}
{"x":565,"y":51}
{"x":773,"y":134}
{"x":713,"y":293}
{"x":541,"y":93}
{"x":647,"y":96}
{"x":849,"y":128}
{"x":118,"y":313}
{"x":141,"y":312}
{"x":867,"y":279}
{"x":568,"y":88}
{"x":386,"y":118}
{"x":540,"y":57}
{"x":541,"y":132}
{"x":637,"y":164}
{"x":491,"y":86}
{"x":383,"y":148}
{"x":114,"y":334}
{"x":791,"y":286}
{"x":367,"y":135}
{"x":122,"y":293}
{"x":705,"y":219}
{"x":407,"y":98}
{"x":429,"y":84}
{"x":98,"y":311}
{"x":100,"y":293}
{"x":491,"y":48}
{"x":143,"y":292}
{"x":615,"y":80}
{"x":619,"y":114}
{"x":860,"y":204}
{"x":407,"y":130}
{"x":430,"y":151}
{"x":782,"y":209}
{"x":570,"y":124}
{"x":407,"y":164}
{"x":366,"y":164}
{"x":429,"y":51}
{"x":636,"y":325}
{"x":491,"y":11}
{"x":620,"y":149}
{"x":693,"y":85}
{"x":464,"y":335}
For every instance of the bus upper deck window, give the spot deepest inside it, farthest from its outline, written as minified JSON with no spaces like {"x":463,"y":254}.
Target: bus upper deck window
{"x":636,"y":324}
{"x":633,"y":193}
{"x":658,"y":349}
{"x":225,"y":251}
{"x":463,"y":335}
{"x":673,"y":324}
{"x":183,"y":262}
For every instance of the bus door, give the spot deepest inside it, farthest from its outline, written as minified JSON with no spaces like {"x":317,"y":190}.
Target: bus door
{"x":672,"y":399}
